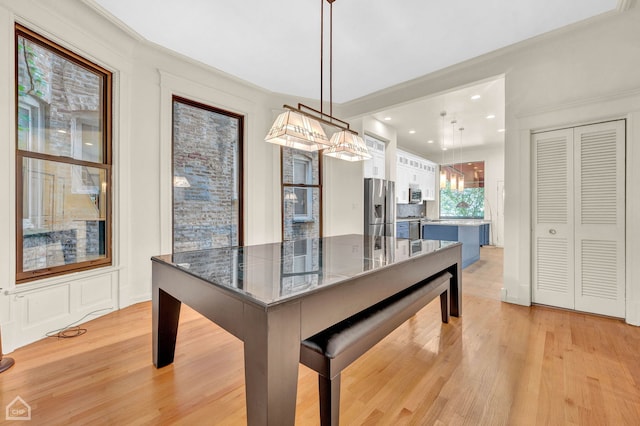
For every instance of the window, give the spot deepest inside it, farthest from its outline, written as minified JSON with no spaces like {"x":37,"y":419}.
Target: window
{"x":207,"y":176}
{"x":301,"y":194}
{"x":302,"y":169}
{"x":467,"y":203}
{"x":63,"y":150}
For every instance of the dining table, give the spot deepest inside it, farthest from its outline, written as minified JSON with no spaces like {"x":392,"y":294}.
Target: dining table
{"x":272,"y":296}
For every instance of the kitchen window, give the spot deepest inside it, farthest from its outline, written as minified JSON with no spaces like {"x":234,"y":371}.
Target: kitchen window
{"x":63,"y":167}
{"x":462,"y":201}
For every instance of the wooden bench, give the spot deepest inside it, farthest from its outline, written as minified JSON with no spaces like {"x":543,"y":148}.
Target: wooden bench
{"x":332,"y":350}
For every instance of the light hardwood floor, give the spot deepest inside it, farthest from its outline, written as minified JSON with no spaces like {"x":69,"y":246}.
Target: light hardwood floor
{"x":500,"y":364}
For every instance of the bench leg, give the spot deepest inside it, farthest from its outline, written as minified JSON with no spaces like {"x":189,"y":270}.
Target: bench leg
{"x":329,"y":390}
{"x":444,"y":306}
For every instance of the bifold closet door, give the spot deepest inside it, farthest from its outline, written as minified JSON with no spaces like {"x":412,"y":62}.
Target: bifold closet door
{"x":579,"y":218}
{"x":599,"y":178}
{"x":553,"y":275}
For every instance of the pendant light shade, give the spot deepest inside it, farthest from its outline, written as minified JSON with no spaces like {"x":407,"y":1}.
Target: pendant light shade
{"x":296,"y":130}
{"x":443,"y":179}
{"x":347,"y":146}
{"x":291,"y":196}
{"x":461,"y":183}
{"x":454,"y":182}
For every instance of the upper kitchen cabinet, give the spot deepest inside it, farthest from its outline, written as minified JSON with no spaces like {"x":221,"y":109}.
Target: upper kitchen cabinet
{"x":403,"y":178}
{"x":415,"y":172}
{"x":374,"y":167}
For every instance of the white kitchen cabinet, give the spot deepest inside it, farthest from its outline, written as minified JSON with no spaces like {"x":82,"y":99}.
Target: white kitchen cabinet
{"x":375,"y":166}
{"x":429,"y":181}
{"x":414,"y":171}
{"x":402,"y":180}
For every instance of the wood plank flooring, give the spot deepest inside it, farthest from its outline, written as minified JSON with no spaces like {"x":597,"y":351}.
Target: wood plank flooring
{"x":499,"y":364}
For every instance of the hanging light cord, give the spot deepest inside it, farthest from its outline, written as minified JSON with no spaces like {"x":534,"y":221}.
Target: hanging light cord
{"x":331,"y":57}
{"x":321,"y":54}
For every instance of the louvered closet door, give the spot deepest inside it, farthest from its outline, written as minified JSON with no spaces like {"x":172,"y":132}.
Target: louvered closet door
{"x":600,"y":218}
{"x":553,"y":275}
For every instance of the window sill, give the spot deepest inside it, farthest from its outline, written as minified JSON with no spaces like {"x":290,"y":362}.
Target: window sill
{"x":50,"y":282}
{"x":303,"y":220}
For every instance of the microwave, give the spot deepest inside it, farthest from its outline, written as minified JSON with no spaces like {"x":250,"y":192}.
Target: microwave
{"x":415,"y":195}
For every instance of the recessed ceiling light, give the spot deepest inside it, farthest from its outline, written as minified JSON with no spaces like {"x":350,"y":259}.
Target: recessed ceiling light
{"x":468,"y":164}
{"x":387,"y":118}
{"x":475,"y":97}
{"x":62,"y":131}
{"x":491,"y":116}
{"x":444,"y":148}
{"x":88,"y":143}
{"x":412,"y":132}
{"x":430,"y":141}
{"x":500,"y":130}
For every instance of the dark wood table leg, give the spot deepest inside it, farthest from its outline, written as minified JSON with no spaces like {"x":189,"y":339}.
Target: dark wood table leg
{"x":165,"y":316}
{"x":271,"y":357}
{"x":455,"y":292}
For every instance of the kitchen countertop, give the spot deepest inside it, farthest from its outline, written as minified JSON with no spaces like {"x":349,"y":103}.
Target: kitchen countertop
{"x":457,"y":222}
{"x":408,"y":219}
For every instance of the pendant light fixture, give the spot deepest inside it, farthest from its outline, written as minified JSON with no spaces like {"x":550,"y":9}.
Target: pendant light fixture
{"x":300,"y":127}
{"x":462,"y":204}
{"x":454,"y":174}
{"x":461,"y":179}
{"x":443,"y":173}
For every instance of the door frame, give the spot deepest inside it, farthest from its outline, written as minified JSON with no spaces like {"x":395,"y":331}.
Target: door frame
{"x":518,"y":221}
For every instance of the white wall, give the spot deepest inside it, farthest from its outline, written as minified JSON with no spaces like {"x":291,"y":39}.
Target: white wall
{"x":343,"y":182}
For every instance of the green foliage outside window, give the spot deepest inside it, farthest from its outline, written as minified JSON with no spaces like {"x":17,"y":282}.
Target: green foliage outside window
{"x":468,"y":204}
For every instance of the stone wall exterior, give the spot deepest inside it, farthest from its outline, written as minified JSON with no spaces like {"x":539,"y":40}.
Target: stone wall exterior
{"x":205,"y":152}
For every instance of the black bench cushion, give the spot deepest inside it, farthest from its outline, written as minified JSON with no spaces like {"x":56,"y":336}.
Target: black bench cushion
{"x":368,"y":327}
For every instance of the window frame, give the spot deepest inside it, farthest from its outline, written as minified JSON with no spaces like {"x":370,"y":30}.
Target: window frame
{"x":238,"y":178}
{"x":308,"y":187}
{"x":308,"y":181}
{"x":106,"y":164}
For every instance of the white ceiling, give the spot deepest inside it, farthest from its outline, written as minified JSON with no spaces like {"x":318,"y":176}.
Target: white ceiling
{"x":422,"y":129}
{"x":377,"y":44}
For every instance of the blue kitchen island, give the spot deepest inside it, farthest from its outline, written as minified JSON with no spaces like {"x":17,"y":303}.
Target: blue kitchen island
{"x":471,"y":233}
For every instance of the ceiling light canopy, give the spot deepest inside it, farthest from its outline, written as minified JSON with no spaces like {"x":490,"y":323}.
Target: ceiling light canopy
{"x":300,"y":127}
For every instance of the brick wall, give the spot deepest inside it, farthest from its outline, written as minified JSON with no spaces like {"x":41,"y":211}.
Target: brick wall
{"x":205,"y":214}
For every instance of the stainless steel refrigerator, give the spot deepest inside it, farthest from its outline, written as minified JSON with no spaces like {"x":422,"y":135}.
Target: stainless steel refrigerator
{"x":379,"y":207}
